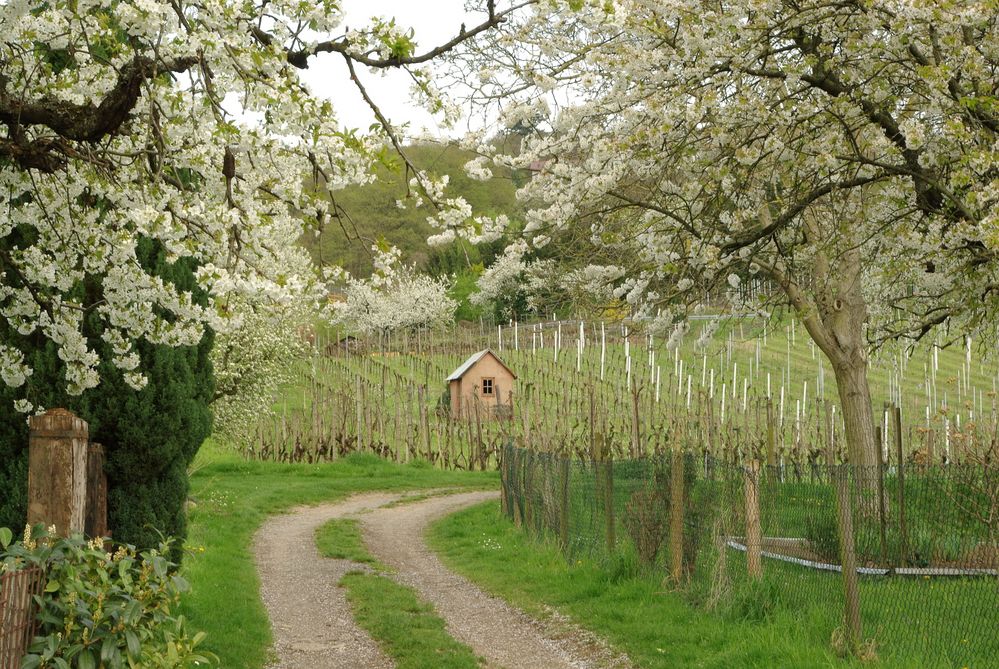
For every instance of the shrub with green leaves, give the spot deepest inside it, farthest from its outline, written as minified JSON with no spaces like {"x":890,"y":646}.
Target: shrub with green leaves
{"x":102,"y":609}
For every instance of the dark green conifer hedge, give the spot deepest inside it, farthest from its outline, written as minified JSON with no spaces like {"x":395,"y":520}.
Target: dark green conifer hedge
{"x":150,"y":435}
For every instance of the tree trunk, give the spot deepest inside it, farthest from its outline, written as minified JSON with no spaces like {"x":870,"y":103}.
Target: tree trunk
{"x":858,"y":413}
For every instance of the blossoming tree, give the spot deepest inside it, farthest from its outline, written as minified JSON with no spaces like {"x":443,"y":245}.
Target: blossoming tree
{"x":395,"y":297}
{"x":844,"y":152}
{"x":116,"y":125}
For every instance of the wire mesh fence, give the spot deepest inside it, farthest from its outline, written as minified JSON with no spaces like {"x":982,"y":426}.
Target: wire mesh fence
{"x":17,"y":613}
{"x":898,"y":562}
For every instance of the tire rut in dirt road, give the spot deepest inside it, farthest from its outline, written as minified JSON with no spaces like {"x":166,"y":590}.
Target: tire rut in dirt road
{"x":502,"y":635}
{"x":312,"y":621}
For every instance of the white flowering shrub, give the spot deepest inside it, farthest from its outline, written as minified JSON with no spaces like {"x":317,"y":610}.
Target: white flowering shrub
{"x":395,"y":297}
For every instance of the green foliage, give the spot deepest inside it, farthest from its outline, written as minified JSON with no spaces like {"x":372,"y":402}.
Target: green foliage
{"x":150,"y":435}
{"x":373,"y":214}
{"x":461,"y":291}
{"x":755,"y":600}
{"x":645,"y":517}
{"x":105,"y":610}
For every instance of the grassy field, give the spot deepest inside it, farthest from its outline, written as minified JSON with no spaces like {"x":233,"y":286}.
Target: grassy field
{"x":657,"y":628}
{"x":232,"y":498}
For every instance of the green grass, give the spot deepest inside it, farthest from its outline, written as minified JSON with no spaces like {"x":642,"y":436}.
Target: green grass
{"x":232,"y":498}
{"x":406,"y":627}
{"x":636,"y":614}
{"x":341,"y":539}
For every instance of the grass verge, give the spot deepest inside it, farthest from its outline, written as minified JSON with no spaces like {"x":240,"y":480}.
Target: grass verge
{"x":341,"y":539}
{"x":656,"y":628}
{"x":407,"y":628}
{"x":232,"y":498}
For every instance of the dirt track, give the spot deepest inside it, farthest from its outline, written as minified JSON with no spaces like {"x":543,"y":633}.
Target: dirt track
{"x":313,"y":628}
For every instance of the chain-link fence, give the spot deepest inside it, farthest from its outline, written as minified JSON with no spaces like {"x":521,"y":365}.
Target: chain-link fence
{"x":902,"y":563}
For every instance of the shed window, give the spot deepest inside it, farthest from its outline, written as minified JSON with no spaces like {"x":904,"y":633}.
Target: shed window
{"x":487,"y":386}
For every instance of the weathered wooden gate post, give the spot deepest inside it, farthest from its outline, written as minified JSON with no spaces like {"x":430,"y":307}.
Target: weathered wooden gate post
{"x":96,"y":521}
{"x":57,"y":471}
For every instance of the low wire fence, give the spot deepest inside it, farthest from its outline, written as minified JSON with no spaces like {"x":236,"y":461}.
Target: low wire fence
{"x":898,"y":563}
{"x":18,"y":620}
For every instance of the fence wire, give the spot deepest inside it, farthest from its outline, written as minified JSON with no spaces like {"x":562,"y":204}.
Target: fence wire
{"x":751,"y":539}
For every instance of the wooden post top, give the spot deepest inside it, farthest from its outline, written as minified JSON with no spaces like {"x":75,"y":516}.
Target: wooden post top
{"x":58,"y":423}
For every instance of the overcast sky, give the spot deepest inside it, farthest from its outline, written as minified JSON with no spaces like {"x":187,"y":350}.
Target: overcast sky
{"x":435,"y":21}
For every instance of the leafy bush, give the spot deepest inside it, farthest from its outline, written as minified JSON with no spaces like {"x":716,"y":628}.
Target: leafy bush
{"x":645,"y":518}
{"x":103,"y":609}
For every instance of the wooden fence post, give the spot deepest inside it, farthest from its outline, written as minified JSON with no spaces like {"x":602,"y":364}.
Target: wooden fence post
{"x":603,"y":467}
{"x":636,"y":435}
{"x":96,"y":523}
{"x":771,"y":436}
{"x":848,"y":557}
{"x":881,"y":438}
{"x":902,"y":530}
{"x":57,"y":471}
{"x":504,"y":466}
{"x":517,"y":489}
{"x":676,"y":514}
{"x":754,"y":532}
{"x":563,"y":509}
{"x":528,"y":489}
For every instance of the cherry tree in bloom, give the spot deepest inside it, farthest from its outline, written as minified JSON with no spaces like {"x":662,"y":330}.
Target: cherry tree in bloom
{"x":847,"y":153}
{"x":251,"y":363}
{"x":394,"y":297}
{"x":116,"y":127}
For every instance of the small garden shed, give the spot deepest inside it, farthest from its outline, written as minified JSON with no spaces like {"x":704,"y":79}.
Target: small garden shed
{"x":484,"y":379}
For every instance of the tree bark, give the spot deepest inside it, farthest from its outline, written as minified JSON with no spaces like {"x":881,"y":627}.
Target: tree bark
{"x":858,"y":413}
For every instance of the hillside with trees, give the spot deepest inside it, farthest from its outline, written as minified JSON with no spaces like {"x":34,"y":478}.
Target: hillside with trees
{"x":373,"y":212}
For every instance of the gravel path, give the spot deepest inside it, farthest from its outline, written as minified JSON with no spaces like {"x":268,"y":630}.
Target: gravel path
{"x":312,"y":622}
{"x":313,"y":627}
{"x":502,"y":635}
